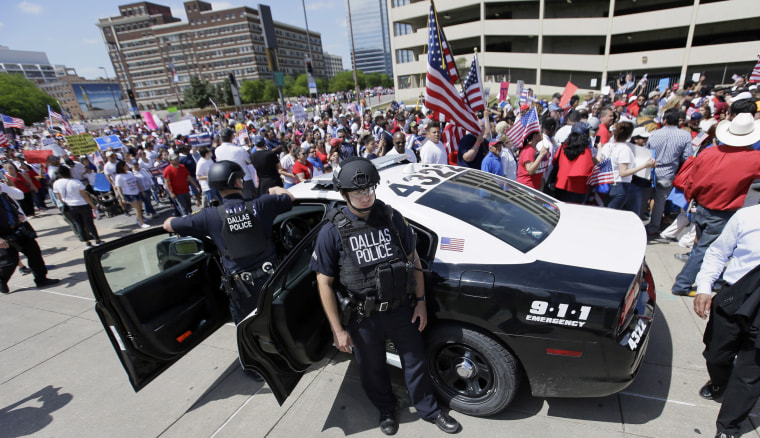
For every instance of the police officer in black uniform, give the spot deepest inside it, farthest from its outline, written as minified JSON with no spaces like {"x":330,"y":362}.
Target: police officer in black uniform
{"x":241,"y":230}
{"x":369,"y":248}
{"x":17,"y":235}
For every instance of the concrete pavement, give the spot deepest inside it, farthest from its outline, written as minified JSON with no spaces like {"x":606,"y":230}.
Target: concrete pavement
{"x":59,"y":376}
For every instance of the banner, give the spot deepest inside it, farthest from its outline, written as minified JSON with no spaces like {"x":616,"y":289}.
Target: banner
{"x":39,"y":156}
{"x":148,"y":117}
{"x":570,"y":90}
{"x":663,"y":84}
{"x":299,"y":113}
{"x":504,"y":91}
{"x":199,"y":140}
{"x":109,"y":141}
{"x":81,"y":144}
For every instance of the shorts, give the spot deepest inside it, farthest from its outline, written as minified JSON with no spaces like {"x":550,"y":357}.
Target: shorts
{"x":132,"y":198}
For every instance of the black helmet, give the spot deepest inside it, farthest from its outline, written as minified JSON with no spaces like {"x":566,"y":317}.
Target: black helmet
{"x":222,"y":175}
{"x":259,"y":140}
{"x":355,"y":173}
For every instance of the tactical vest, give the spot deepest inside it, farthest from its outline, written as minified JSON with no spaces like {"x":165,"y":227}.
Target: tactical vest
{"x":243,"y":234}
{"x":373,"y":260}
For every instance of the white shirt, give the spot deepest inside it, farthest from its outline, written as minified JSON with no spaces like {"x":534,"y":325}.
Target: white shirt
{"x":562,"y":134}
{"x":202,"y":170}
{"x":109,"y":168}
{"x":409,"y":154}
{"x":127,"y":182}
{"x":434,"y":153}
{"x":230,"y":152}
{"x":738,"y":244}
{"x":287,"y":162}
{"x":509,"y":164}
{"x":68,"y":190}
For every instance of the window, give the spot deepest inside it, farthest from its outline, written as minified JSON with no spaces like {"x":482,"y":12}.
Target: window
{"x":496,"y":205}
{"x":402,"y":29}
{"x":403,"y":56}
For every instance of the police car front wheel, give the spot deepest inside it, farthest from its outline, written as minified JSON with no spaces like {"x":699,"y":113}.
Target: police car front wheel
{"x":472,"y":373}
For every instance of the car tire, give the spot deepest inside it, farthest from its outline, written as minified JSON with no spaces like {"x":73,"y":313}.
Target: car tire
{"x":471,"y":372}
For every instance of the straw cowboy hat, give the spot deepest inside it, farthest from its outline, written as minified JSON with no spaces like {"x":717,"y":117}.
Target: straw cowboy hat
{"x":742,"y":131}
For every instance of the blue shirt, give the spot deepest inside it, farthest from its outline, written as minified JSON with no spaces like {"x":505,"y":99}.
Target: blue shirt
{"x":467,"y":142}
{"x":492,"y":164}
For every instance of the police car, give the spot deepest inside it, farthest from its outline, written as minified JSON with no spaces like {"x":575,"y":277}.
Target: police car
{"x":522,"y":289}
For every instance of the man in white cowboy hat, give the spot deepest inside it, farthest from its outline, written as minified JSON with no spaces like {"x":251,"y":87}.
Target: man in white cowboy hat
{"x":720,"y":179}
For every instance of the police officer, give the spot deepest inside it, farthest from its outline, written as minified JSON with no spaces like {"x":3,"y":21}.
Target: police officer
{"x":17,"y":235}
{"x":241,"y":230}
{"x":370,"y":248}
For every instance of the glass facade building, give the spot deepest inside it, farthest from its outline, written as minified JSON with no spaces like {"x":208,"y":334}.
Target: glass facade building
{"x":372,"y":44}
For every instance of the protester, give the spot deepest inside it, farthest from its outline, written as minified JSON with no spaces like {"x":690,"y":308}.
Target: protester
{"x":128,"y":191}
{"x":77,"y":205}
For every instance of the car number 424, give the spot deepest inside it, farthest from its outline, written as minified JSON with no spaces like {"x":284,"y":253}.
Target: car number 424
{"x":637,"y":334}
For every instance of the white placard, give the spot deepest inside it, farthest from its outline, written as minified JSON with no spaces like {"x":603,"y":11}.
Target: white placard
{"x":642,"y":154}
{"x":299,"y":113}
{"x":184,"y":127}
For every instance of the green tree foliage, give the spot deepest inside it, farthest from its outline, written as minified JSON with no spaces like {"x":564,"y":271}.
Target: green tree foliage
{"x":20,"y":97}
{"x":197,"y":94}
{"x":344,"y":81}
{"x":270,"y":92}
{"x":252,"y":91}
{"x":379,"y":80}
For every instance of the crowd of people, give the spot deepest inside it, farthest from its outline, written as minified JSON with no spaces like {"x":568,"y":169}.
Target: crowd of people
{"x":682,"y":159}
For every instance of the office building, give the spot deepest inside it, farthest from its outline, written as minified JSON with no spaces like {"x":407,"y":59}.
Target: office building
{"x":81,"y":98}
{"x":33,"y":65}
{"x":333,"y":64}
{"x":591,"y":43}
{"x":371,"y":35}
{"x":155,"y":54}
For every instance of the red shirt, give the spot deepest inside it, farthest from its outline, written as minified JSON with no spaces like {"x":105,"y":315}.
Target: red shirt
{"x":177,"y":179}
{"x":573,"y":175}
{"x":528,"y":154}
{"x":322,"y":157}
{"x":721,"y":176}
{"x":604,"y":134}
{"x":20,"y":182}
{"x":299,"y":167}
{"x":633,"y":109}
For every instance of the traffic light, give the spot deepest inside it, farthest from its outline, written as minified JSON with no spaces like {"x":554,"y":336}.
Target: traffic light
{"x":309,"y":68}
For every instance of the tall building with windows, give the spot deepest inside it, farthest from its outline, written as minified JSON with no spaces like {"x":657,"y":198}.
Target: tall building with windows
{"x":33,"y":65}
{"x":333,"y":64}
{"x":155,"y":54}
{"x":79,"y":98}
{"x":591,"y":43}
{"x":371,"y":35}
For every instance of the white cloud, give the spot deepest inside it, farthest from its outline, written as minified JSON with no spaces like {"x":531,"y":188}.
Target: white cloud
{"x":90,"y":40}
{"x":30,"y":8}
{"x":319,"y":5}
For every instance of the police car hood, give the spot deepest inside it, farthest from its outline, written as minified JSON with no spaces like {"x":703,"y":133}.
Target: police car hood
{"x":592,"y":237}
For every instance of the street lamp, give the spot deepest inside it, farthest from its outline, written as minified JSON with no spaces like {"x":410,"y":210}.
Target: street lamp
{"x":118,"y":111}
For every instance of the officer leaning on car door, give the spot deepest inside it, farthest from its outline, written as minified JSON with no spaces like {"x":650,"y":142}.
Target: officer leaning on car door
{"x":242,"y":232}
{"x":369,"y":248}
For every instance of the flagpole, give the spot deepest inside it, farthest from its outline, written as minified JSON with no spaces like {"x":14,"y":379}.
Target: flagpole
{"x":439,"y":28}
{"x":486,"y":110}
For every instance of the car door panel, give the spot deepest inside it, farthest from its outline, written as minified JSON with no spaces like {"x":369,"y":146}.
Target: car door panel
{"x":157,"y":296}
{"x":289,"y":331}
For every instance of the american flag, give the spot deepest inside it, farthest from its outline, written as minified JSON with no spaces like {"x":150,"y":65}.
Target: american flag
{"x":473,"y":88}
{"x":755,"y":76}
{"x":452,"y":244}
{"x":601,"y":174}
{"x":216,"y":108}
{"x":54,"y":115}
{"x":13,"y":122}
{"x":451,"y":137}
{"x":527,"y":124}
{"x":175,"y":76}
{"x":440,"y":94}
{"x":65,"y":126}
{"x":3,"y":140}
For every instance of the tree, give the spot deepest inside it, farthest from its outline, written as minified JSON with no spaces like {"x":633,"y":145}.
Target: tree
{"x":20,"y":97}
{"x":271,"y":94}
{"x":252,"y":91}
{"x":197,"y":94}
{"x":344,"y":81}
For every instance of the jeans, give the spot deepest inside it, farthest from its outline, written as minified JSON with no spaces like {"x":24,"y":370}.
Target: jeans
{"x":619,"y":195}
{"x":147,"y":205}
{"x":182,"y":204}
{"x":633,"y":203}
{"x":709,"y":225}
{"x":661,"y":193}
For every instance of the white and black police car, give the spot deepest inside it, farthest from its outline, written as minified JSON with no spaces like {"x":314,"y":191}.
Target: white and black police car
{"x":522,"y":289}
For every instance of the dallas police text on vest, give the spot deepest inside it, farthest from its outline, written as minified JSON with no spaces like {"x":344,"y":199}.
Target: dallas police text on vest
{"x":239,"y":221}
{"x":372,"y":246}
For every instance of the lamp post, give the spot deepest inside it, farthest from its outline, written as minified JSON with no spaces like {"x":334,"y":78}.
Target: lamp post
{"x":118,"y":111}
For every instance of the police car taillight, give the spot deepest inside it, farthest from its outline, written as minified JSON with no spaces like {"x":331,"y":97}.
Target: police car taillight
{"x":630,"y":300}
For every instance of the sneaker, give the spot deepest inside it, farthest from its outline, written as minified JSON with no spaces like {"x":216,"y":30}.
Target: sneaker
{"x":4,"y":287}
{"x":681,"y":257}
{"x":24,"y":270}
{"x":99,"y":242}
{"x":88,"y":244}
{"x":144,"y":226}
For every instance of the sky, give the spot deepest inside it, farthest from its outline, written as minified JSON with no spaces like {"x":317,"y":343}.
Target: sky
{"x":67,"y":31}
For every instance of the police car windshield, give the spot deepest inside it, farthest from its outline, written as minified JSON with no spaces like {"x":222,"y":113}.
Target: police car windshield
{"x":497,"y":206}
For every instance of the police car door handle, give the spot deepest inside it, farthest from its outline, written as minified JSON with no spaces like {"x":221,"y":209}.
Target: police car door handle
{"x":191,"y":273}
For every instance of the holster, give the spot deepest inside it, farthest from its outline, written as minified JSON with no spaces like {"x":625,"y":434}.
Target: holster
{"x":346,"y":306}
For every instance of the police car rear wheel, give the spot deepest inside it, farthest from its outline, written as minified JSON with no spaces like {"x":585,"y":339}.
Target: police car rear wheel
{"x":472,"y":373}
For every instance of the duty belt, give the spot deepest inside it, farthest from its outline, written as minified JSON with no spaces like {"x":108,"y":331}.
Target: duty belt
{"x":370,"y":304}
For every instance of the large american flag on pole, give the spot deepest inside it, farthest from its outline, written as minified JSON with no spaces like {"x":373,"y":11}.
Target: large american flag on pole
{"x":440,"y":94}
{"x":65,"y":126}
{"x":12,"y":122}
{"x":473,"y":88}
{"x":451,"y":137}
{"x":3,"y":140}
{"x":755,"y":76}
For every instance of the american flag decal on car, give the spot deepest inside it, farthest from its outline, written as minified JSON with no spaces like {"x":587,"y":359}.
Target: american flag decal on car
{"x":452,"y":244}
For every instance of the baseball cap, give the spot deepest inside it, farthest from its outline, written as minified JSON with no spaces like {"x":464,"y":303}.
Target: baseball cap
{"x":641,"y":132}
{"x":109,"y":153}
{"x":335,"y":142}
{"x":580,"y":128}
{"x":494,"y":142}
